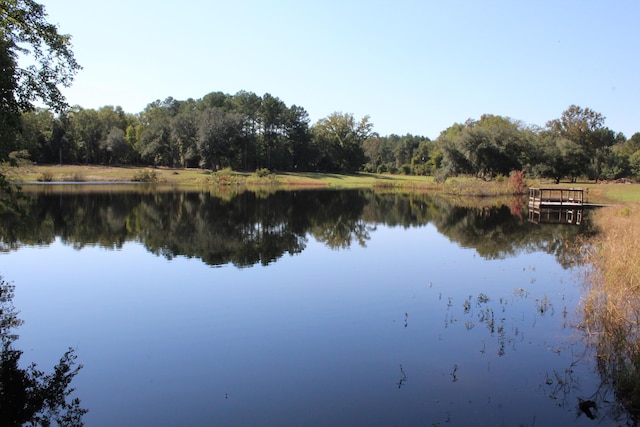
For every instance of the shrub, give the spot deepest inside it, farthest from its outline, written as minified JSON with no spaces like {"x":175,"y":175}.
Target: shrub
{"x":45,"y":177}
{"x":145,"y":176}
{"x":517,"y":183}
{"x":263,"y":172}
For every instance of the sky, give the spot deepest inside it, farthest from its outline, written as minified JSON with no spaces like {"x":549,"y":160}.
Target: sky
{"x":413,"y":67}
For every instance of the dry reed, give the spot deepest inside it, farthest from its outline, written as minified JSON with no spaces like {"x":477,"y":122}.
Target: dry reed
{"x":612,"y":304}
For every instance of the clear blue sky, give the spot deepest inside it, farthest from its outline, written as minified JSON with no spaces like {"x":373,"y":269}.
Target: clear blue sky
{"x":412,"y":66}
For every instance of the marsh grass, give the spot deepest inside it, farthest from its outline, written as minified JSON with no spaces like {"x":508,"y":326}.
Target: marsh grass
{"x":612,"y":304}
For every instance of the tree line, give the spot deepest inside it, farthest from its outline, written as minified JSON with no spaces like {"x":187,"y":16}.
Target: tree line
{"x":247,"y":132}
{"x":242,"y":131}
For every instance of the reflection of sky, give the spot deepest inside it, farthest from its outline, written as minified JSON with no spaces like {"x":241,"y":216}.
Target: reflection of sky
{"x":314,"y":337}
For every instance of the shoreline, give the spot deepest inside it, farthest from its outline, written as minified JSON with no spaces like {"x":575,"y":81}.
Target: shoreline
{"x":458,"y":186}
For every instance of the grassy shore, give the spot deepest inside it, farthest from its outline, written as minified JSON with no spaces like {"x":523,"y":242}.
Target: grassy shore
{"x":459,"y":186}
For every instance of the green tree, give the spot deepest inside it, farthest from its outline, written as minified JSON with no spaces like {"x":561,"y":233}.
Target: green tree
{"x":273,"y":147}
{"x":87,"y":133}
{"x":373,"y":148}
{"x":26,"y":35}
{"x":490,"y":146}
{"x":116,"y":146}
{"x":248,"y":104}
{"x":631,"y":145}
{"x":156,"y":143}
{"x":427,"y":158}
{"x":584,"y":128}
{"x":297,"y":132}
{"x":217,"y":132}
{"x":454,"y":157}
{"x":61,"y":142}
{"x":339,"y":139}
{"x":184,"y":130}
{"x":35,"y":133}
{"x":634,"y":165}
{"x":405,"y":149}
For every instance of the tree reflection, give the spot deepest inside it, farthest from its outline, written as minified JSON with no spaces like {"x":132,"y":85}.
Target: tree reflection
{"x":249,"y":228}
{"x":29,"y":396}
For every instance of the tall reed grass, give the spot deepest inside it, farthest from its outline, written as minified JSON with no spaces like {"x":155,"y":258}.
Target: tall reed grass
{"x":612,"y":305}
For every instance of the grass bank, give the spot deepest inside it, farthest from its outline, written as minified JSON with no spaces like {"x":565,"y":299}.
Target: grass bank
{"x":459,"y":187}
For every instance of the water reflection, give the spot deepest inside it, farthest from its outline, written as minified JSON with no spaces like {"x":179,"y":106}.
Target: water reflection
{"x":460,"y":319}
{"x":556,"y":216}
{"x":27,"y":395}
{"x":248,"y":228}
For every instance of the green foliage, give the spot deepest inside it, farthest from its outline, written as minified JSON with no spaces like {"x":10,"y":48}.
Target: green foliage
{"x":262,"y":172}
{"x":634,"y":165}
{"x":11,"y":198}
{"x":155,"y":144}
{"x":249,"y":132}
{"x":486,"y":148}
{"x":20,"y":158}
{"x":339,"y":140}
{"x":26,"y":35}
{"x":217,"y":132}
{"x":584,"y":129}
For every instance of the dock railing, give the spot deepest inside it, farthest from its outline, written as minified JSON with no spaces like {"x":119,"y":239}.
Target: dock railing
{"x":555,"y":197}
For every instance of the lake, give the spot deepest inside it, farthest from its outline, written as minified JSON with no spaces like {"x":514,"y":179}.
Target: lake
{"x":310,"y":307}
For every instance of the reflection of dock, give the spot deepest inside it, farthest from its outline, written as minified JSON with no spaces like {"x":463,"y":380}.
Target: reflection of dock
{"x":556,"y":205}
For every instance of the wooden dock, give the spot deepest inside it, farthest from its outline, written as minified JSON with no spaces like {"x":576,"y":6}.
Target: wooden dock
{"x":556,"y":205}
{"x":556,"y":197}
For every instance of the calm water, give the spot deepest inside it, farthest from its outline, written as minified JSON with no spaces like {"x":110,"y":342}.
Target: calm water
{"x":300,"y":308}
